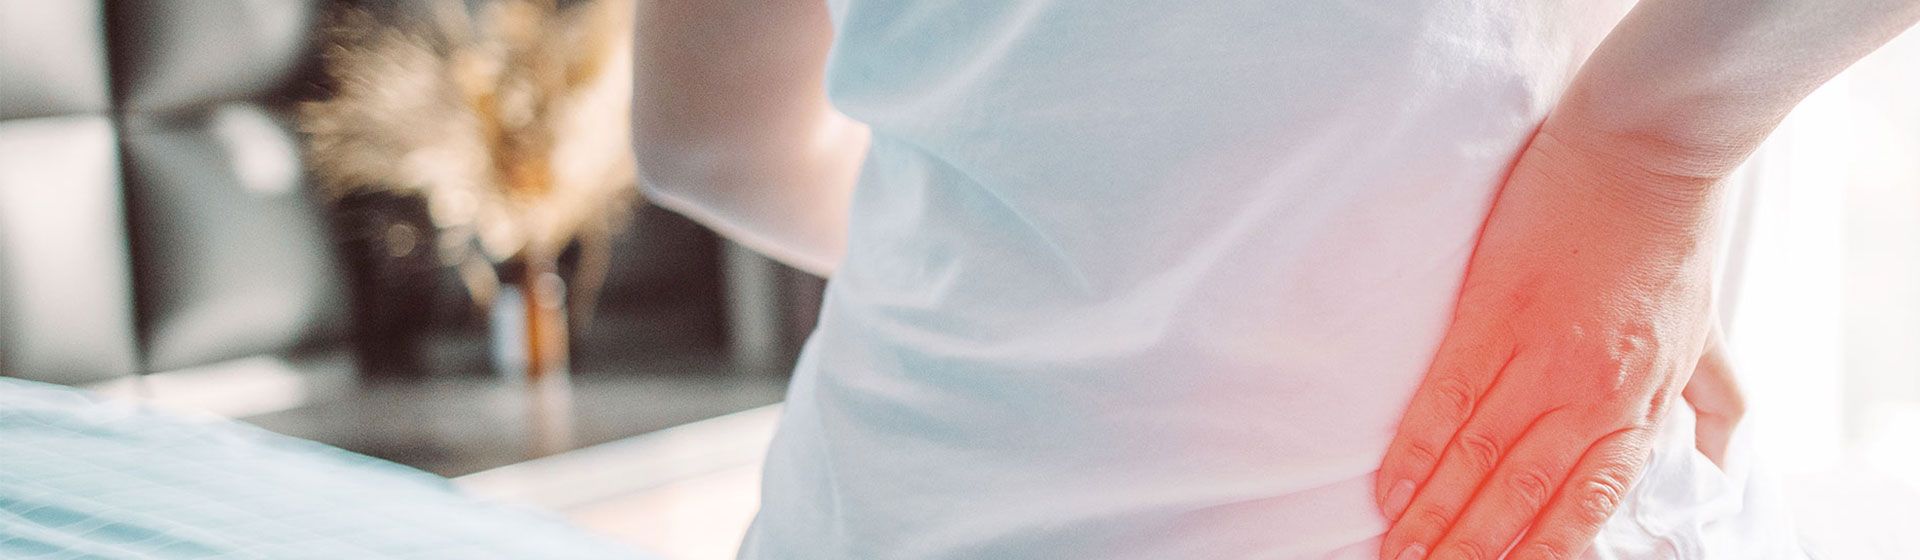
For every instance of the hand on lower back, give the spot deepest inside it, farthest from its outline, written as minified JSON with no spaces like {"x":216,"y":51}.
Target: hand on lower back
{"x":1583,"y":313}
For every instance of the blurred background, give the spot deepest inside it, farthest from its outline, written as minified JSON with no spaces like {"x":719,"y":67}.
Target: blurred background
{"x":409,"y":230}
{"x":171,"y":231}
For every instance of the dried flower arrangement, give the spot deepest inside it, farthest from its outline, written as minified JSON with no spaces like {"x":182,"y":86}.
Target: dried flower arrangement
{"x":510,"y":120}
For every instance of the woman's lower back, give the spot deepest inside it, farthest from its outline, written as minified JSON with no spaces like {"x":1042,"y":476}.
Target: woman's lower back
{"x":1119,"y":294}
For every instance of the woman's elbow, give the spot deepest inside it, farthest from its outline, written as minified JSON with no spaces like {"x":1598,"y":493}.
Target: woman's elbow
{"x":686,"y":175}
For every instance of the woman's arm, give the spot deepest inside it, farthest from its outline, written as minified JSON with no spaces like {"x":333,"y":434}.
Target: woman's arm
{"x":733,"y":129}
{"x":1689,"y":88}
{"x":1585,"y":305}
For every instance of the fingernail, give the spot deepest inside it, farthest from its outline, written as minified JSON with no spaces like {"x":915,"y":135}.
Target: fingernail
{"x":1397,"y":499}
{"x":1412,"y":552}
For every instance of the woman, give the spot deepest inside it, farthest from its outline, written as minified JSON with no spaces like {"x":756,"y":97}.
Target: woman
{"x":1237,"y":279}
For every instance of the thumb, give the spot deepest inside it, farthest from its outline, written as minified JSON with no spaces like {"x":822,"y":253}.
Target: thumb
{"x":1717,"y":402}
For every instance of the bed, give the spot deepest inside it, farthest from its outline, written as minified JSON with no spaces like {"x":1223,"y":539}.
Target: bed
{"x":85,"y":478}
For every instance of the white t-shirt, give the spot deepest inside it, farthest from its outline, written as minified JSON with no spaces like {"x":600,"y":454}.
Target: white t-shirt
{"x":1147,"y":280}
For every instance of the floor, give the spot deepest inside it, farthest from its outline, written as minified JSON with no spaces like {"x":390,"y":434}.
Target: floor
{"x":656,"y":354}
{"x":642,"y":377}
{"x":456,"y":425}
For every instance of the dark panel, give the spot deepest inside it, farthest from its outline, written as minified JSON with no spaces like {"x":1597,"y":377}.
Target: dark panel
{"x":182,"y":54}
{"x":232,"y":256}
{"x":52,"y":58}
{"x":65,"y":301}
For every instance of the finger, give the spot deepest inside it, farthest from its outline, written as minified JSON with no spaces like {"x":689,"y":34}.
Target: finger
{"x":1469,"y":361}
{"x":1713,"y":436}
{"x":1516,"y":493}
{"x":1714,"y":393}
{"x":1713,"y":390}
{"x":1596,"y":487}
{"x":1465,"y":465}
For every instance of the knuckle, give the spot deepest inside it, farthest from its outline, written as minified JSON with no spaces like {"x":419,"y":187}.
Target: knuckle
{"x":1593,"y":511}
{"x":1421,"y":453}
{"x":1599,"y":496}
{"x":1655,"y":409}
{"x":1456,"y":399}
{"x":1532,"y":487}
{"x":1427,"y":520}
{"x":1478,"y":450}
{"x":1601,"y":378}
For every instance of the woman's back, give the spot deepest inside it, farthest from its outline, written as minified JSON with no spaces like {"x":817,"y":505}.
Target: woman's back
{"x":1131,"y":281}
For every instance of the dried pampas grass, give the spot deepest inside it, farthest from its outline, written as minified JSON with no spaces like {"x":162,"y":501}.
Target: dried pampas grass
{"x":511,"y":122}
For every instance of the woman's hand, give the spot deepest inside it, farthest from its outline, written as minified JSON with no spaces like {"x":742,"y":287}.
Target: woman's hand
{"x":1585,"y":304}
{"x":1583,"y":314}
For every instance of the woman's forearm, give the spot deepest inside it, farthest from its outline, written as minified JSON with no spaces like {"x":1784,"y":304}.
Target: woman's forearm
{"x":733,"y":129}
{"x":1687,"y":89}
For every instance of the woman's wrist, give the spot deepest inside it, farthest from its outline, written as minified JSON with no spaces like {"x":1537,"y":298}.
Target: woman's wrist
{"x":1618,"y":181}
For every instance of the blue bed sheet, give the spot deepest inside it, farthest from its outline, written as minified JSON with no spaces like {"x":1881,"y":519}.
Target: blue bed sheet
{"x":84,"y":479}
